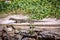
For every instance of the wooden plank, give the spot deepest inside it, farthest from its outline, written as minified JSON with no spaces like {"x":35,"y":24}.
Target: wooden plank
{"x":28,"y":24}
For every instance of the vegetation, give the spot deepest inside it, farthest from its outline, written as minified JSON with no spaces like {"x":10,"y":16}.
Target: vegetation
{"x":37,"y":9}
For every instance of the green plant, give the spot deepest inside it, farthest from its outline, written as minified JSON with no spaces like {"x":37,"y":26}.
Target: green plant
{"x":37,"y":9}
